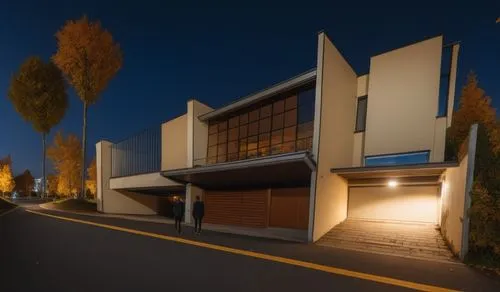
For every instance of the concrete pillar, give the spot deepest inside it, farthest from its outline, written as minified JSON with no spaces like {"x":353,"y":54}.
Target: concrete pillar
{"x":191,"y":193}
{"x":103,"y":165}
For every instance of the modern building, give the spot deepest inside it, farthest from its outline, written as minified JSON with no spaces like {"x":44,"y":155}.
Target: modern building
{"x":306,"y":154}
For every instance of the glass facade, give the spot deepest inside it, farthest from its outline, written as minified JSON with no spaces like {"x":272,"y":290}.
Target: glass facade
{"x":361,"y":114}
{"x":280,"y":125}
{"x":444,"y":82}
{"x":398,"y":159}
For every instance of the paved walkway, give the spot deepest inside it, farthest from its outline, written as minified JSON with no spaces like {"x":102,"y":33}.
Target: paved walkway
{"x":420,"y":241}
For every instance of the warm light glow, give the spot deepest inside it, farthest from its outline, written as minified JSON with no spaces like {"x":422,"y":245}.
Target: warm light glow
{"x":392,"y":183}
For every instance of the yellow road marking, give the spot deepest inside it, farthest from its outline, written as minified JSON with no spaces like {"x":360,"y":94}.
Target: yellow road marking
{"x":293,"y":262}
{"x":9,"y":211}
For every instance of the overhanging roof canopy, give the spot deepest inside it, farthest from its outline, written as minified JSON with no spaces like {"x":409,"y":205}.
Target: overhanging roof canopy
{"x":284,"y":170}
{"x":261,"y":95}
{"x":406,"y":174}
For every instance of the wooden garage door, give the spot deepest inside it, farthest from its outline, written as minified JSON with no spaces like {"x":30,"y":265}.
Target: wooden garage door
{"x":402,"y":203}
{"x":245,"y":208}
{"x":289,"y":208}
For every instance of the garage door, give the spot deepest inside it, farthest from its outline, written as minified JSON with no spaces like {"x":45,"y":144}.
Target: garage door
{"x":289,"y":208}
{"x":244,"y":208}
{"x":402,"y":203}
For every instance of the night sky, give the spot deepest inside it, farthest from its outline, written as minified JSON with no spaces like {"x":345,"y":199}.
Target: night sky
{"x":219,"y":52}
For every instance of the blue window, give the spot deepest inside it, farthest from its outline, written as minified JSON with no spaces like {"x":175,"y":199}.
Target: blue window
{"x":398,"y":159}
{"x":444,"y":82}
{"x":306,"y":105}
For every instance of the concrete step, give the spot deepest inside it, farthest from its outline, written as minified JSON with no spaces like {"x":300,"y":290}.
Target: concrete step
{"x":435,"y":238}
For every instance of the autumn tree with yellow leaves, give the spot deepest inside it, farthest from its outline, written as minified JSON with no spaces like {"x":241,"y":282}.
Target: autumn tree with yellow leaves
{"x":91,"y":182}
{"x":65,"y":155}
{"x":6,"y":179}
{"x":89,"y":57}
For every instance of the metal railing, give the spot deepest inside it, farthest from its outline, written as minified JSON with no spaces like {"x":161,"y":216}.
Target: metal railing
{"x":138,"y":154}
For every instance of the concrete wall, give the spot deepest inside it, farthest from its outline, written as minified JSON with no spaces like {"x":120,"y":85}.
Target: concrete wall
{"x":362,"y":88}
{"x":197,"y":142}
{"x":437,"y":155}
{"x":150,"y":180}
{"x":111,"y":201}
{"x":337,"y":109}
{"x":403,"y":99}
{"x":357,"y":149}
{"x":174,"y":143}
{"x":456,"y":200}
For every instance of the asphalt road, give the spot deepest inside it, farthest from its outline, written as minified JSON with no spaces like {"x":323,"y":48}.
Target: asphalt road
{"x":38,"y":253}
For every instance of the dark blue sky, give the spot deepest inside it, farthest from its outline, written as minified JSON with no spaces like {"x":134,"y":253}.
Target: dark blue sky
{"x":218,"y":52}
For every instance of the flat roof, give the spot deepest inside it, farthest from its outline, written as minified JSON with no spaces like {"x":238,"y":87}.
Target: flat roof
{"x":411,"y":170}
{"x":291,"y":83}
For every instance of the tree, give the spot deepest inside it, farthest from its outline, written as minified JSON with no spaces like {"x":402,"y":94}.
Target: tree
{"x":475,"y":107}
{"x":24,"y":183}
{"x":92,"y":178}
{"x":38,"y":93}
{"x":89,"y":57}
{"x":65,"y":155}
{"x":52,"y":184}
{"x":6,"y":180}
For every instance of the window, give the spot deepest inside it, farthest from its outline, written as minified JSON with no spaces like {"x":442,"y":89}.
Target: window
{"x":361,"y":114}
{"x":398,"y":159}
{"x":279,"y":125}
{"x":306,"y":106}
{"x":444,"y":82}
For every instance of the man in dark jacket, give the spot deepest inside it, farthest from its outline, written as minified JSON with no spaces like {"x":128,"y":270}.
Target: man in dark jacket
{"x":198,"y":213}
{"x":178,"y":210}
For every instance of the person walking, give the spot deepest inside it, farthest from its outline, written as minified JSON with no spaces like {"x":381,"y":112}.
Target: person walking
{"x":178,"y":212}
{"x":198,"y":213}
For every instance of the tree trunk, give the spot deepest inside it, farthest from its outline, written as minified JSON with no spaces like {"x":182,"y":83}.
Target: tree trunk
{"x":44,"y":178}
{"x":84,"y":148}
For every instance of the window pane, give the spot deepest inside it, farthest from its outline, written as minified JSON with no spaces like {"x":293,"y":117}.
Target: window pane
{"x":304,"y":144}
{"x":233,"y":134}
{"x":223,"y":126}
{"x":279,"y":107}
{"x":306,"y":106}
{"x":232,"y":147}
{"x":221,"y":158}
{"x":305,"y":130}
{"x":361,"y":114}
{"x":243,"y":155}
{"x":253,"y":128}
{"x":222,"y":137}
{"x":243,"y":145}
{"x":232,"y":156}
{"x":243,"y":131}
{"x":254,"y":115}
{"x":211,"y":160}
{"x":233,"y":122}
{"x":221,"y":149}
{"x":212,"y":140}
{"x":291,"y":118}
{"x":265,"y":125}
{"x":290,"y":134}
{"x":252,"y":153}
{"x":264,"y":139}
{"x":265,"y":111}
{"x":212,"y":129}
{"x":276,"y":137}
{"x":252,"y":143}
{"x":278,"y":121}
{"x":398,"y":159}
{"x":264,"y":151}
{"x":276,"y":149}
{"x":291,"y":102}
{"x":243,"y":118}
{"x":288,"y":147}
{"x":212,"y":151}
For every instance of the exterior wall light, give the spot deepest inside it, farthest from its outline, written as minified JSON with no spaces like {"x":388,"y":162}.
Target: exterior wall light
{"x":392,"y":183}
